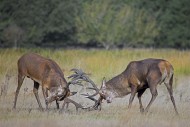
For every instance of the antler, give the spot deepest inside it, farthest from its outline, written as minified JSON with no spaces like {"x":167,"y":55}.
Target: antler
{"x":80,"y":76}
{"x":77,"y":105}
{"x":97,"y":103}
{"x":67,"y":101}
{"x":77,"y":77}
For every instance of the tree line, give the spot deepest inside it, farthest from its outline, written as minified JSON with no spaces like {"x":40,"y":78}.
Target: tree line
{"x":95,"y":23}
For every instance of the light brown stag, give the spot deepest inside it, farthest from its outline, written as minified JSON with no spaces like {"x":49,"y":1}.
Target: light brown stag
{"x":137,"y":77}
{"x":46,"y":72}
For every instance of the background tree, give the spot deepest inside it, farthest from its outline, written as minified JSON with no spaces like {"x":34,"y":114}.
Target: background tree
{"x":108,"y":23}
{"x":111,"y":23}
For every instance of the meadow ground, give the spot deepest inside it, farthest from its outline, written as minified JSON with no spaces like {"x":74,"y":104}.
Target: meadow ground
{"x":99,"y":63}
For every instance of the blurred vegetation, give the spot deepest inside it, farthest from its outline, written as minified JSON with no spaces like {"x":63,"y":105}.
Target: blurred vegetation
{"x":114,"y":61}
{"x":95,"y":23}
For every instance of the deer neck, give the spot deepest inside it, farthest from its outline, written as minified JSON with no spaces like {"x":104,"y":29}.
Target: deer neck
{"x":119,"y":86}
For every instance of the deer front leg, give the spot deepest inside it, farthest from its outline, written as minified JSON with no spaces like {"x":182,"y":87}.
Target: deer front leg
{"x":45,"y":93}
{"x":35,"y":90}
{"x":133,"y":92}
{"x":140,"y":93}
{"x":154,"y":95}
{"x":20,"y":81}
{"x":57,"y":104}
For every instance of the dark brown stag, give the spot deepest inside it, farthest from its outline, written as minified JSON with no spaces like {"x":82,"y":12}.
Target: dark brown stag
{"x":138,"y":76}
{"x":44,"y":72}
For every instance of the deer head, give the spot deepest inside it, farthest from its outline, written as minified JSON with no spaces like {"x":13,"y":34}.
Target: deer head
{"x":58,"y":92}
{"x":106,"y":93}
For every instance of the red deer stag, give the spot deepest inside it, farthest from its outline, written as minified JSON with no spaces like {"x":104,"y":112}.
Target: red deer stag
{"x":138,"y":76}
{"x":45,"y":72}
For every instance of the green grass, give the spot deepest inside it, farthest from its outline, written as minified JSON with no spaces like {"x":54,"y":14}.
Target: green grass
{"x":100,"y":63}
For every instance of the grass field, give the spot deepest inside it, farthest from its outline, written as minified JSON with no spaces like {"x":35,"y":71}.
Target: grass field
{"x":100,"y":63}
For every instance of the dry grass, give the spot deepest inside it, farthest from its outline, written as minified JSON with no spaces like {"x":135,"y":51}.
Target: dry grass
{"x":115,"y":114}
{"x":100,"y":63}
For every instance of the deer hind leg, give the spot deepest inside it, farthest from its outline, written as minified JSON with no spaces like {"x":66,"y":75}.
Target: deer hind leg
{"x":140,"y":93}
{"x":20,"y":81}
{"x":170,"y":90}
{"x":35,"y":90}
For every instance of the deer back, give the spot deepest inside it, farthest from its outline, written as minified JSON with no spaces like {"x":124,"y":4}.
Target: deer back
{"x":40,"y":69}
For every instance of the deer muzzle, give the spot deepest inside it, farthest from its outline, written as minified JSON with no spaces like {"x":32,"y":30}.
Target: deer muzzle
{"x":57,"y":95}
{"x":109,"y":99}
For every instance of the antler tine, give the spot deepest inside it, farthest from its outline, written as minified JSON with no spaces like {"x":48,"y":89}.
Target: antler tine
{"x":93,"y":99}
{"x":91,"y":88}
{"x":90,"y":81}
{"x":67,"y":101}
{"x":77,"y":77}
{"x":73,"y":76}
{"x":87,"y":79}
{"x":77,"y":105}
{"x":76,"y":80}
{"x":78,"y":71}
{"x":75,"y":70}
{"x":97,"y":103}
{"x":87,"y":95}
{"x":80,"y":76}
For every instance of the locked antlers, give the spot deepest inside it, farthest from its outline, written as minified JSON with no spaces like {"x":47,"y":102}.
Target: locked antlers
{"x":77,"y":78}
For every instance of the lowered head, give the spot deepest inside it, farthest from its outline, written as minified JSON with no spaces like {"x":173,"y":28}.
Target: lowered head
{"x":106,"y":93}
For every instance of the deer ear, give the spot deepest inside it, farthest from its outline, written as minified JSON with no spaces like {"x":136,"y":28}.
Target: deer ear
{"x":103,"y":83}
